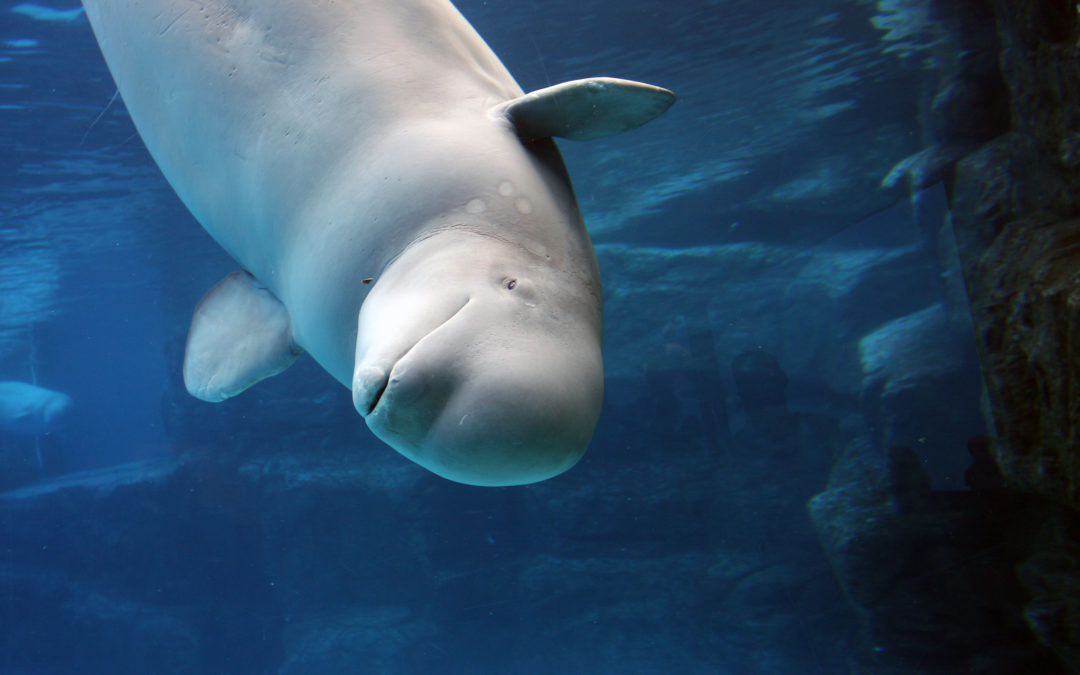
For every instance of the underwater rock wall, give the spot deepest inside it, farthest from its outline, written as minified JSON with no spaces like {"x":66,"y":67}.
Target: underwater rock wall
{"x":932,"y":575}
{"x":1016,"y":202}
{"x":1030,"y":330}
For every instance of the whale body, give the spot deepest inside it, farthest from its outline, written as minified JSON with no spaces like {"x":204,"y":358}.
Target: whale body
{"x":399,"y":209}
{"x":29,"y":410}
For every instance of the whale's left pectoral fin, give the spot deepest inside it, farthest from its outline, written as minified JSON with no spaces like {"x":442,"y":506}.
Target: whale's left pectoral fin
{"x":240,"y":334}
{"x":582,"y":110}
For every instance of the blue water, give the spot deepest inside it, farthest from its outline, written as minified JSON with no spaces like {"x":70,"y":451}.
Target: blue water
{"x":272,"y":533}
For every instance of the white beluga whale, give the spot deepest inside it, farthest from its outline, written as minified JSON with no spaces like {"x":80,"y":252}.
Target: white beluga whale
{"x":400,"y":211}
{"x":29,"y":410}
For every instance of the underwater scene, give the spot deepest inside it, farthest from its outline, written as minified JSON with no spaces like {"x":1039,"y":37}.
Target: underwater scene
{"x":301,"y":336}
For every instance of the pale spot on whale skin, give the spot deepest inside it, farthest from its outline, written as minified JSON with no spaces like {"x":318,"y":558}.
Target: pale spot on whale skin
{"x":523,"y":205}
{"x":506,"y":188}
{"x":475,"y":206}
{"x":535,"y":247}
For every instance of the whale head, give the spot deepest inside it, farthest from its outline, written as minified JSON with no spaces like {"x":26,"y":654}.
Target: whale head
{"x":56,"y":412}
{"x":479,"y":358}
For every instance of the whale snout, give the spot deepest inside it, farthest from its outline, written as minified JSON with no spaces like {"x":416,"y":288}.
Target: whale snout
{"x":490,"y":421}
{"x":369,"y":383}
{"x":486,"y":403}
{"x":58,"y":412}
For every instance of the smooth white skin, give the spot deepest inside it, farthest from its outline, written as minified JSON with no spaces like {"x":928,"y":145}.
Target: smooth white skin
{"x":236,"y":325}
{"x":325,"y":146}
{"x":505,"y":382}
{"x":29,"y":410}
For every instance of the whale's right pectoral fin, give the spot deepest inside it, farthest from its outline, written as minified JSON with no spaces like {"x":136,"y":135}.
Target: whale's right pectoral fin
{"x":240,"y":334}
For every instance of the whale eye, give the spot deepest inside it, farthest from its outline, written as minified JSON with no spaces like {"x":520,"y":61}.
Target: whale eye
{"x":510,"y":284}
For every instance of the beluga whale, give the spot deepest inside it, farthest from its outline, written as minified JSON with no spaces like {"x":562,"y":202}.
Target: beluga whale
{"x":399,"y":211}
{"x":29,"y":410}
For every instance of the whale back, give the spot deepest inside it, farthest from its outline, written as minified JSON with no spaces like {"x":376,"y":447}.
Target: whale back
{"x":245,"y":105}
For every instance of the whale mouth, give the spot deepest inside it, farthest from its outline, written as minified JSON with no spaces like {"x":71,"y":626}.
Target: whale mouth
{"x":375,"y":380}
{"x":378,"y":394}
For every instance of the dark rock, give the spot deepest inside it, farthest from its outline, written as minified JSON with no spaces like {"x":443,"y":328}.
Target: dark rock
{"x":909,"y":482}
{"x":1004,"y":181}
{"x":971,"y":104}
{"x":1016,"y":211}
{"x":1028,"y":312}
{"x":931,"y":575}
{"x":1038,"y":62}
{"x":1053,"y":613}
{"x":921,"y":388}
{"x":926,"y":167}
{"x":984,"y":473}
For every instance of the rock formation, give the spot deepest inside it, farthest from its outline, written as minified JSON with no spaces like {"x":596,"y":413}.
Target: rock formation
{"x":1016,"y":217}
